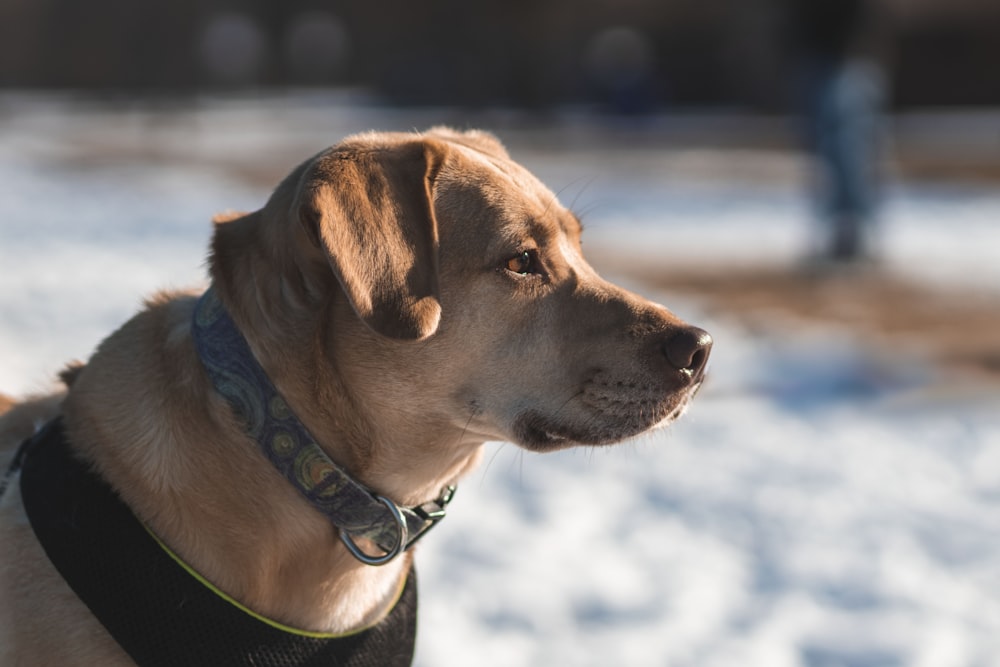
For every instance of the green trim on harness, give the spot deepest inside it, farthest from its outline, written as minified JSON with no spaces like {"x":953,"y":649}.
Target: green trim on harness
{"x":156,"y":607}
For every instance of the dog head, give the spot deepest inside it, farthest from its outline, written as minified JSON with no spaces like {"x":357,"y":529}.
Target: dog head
{"x":436,"y":288}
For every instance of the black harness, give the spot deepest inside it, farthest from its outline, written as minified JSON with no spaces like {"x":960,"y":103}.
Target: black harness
{"x":160,"y":613}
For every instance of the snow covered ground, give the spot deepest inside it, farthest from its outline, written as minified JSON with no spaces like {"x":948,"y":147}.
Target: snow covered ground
{"x":817,"y":507}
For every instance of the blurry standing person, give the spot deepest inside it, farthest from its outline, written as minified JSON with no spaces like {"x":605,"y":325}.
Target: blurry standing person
{"x":836,"y":46}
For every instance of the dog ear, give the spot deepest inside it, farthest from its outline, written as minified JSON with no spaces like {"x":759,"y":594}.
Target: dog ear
{"x":370,"y":208}
{"x":484,"y":142}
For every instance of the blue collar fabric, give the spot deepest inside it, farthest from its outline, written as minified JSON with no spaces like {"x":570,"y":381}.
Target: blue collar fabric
{"x":353,"y":508}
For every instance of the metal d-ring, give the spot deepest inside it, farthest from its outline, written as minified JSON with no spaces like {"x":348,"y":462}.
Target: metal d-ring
{"x":396,"y":550}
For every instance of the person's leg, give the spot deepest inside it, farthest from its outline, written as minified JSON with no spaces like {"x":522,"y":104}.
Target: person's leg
{"x":851,"y":112}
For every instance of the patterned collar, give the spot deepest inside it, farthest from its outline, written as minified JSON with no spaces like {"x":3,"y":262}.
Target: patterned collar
{"x":355,"y":509}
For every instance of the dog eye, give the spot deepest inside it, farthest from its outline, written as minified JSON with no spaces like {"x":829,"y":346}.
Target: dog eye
{"x":523,"y":263}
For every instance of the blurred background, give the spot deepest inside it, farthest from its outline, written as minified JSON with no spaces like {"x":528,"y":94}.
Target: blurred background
{"x":816,"y":182}
{"x":535,"y":55}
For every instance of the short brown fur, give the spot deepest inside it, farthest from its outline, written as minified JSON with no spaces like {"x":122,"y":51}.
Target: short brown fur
{"x":381,"y":290}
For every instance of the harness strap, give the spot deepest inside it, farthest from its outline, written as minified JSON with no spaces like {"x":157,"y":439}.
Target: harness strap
{"x":162,"y":614}
{"x":14,"y":467}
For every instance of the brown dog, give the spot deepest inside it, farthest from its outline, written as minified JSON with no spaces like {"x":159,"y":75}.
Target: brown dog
{"x":410,"y":297}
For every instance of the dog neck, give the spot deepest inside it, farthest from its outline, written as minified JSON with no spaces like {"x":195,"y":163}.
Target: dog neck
{"x":355,"y":510}
{"x":175,"y":452}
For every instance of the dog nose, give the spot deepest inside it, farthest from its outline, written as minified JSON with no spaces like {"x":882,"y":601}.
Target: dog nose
{"x":687,"y":350}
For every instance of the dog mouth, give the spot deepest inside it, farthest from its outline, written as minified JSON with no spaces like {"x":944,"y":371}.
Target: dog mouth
{"x":536,"y":433}
{"x":608,"y":420}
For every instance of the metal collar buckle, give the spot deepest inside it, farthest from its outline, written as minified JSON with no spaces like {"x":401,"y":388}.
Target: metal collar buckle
{"x":431,"y":512}
{"x":401,"y":542}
